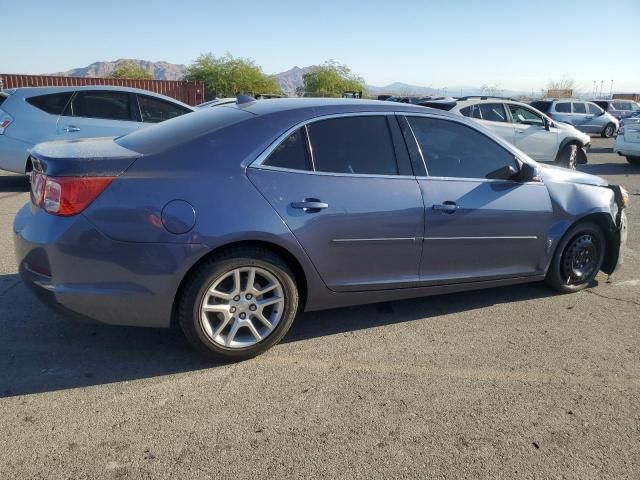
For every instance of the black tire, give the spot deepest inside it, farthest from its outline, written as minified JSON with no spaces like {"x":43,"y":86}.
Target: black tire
{"x":633,"y":160}
{"x":568,"y":156}
{"x":608,"y":130}
{"x":567,"y":258}
{"x":199,"y":283}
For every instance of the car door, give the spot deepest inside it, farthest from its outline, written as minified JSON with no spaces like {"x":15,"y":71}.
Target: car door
{"x":597,"y":120}
{"x":476,"y":228}
{"x":494,"y":117}
{"x":532,"y":136}
{"x":348,"y":195}
{"x":99,"y":113}
{"x":579,"y":116}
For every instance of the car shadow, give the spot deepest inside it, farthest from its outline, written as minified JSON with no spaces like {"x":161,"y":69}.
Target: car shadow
{"x":14,"y":183}
{"x":601,"y":150}
{"x":609,"y":168}
{"x":43,"y":351}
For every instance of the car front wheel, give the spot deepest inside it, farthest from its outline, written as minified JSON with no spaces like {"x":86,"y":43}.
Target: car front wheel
{"x":568,"y":156}
{"x":238,"y":304}
{"x":577,"y":259}
{"x":609,"y":130}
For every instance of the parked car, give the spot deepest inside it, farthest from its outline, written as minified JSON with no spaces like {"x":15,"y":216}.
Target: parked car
{"x":585,"y":116}
{"x":37,"y":114}
{"x":628,"y":140}
{"x":542,"y":139}
{"x":231,"y":220}
{"x":618,"y":108}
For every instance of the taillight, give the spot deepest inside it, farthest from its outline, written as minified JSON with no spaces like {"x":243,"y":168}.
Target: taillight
{"x":550,"y":116}
{"x":5,"y":121}
{"x":66,"y":196}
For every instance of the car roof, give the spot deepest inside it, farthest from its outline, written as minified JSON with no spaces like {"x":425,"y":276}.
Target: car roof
{"x":327,"y":106}
{"x":26,"y":92}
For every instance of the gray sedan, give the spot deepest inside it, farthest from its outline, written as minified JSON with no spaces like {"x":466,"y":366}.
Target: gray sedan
{"x":230,"y":220}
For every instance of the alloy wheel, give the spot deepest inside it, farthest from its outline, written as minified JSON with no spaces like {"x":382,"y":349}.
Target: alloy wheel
{"x":242,"y":307}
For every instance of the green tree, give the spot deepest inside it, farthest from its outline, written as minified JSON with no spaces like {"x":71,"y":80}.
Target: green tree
{"x":228,"y":76}
{"x":131,"y":71}
{"x":331,"y":79}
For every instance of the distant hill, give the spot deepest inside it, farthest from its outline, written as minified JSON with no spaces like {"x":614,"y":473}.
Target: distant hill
{"x":159,"y":70}
{"x":289,"y":79}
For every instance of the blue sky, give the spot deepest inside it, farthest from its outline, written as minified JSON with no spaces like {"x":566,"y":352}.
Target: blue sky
{"x":517,"y":44}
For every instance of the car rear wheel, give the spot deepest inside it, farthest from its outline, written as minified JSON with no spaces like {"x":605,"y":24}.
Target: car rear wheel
{"x":609,"y":130}
{"x":238,"y":304}
{"x":633,"y":160}
{"x":568,"y":156}
{"x":577,"y":259}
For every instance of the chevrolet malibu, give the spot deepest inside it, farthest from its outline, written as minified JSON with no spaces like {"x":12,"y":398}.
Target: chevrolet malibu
{"x":231,"y":220}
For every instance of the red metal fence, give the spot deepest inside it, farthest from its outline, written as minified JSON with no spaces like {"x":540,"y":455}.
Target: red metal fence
{"x":191,"y":93}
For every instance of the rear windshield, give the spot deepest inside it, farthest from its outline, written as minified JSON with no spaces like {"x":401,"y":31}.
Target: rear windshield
{"x":166,"y":135}
{"x":3,"y":97}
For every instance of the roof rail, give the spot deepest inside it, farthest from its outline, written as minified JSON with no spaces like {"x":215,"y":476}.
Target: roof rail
{"x":486,"y":97}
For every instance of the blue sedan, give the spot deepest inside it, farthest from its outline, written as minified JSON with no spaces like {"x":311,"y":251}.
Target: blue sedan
{"x":230,"y":220}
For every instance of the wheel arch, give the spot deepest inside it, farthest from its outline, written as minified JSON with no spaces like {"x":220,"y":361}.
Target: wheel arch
{"x":289,"y":258}
{"x":607,"y":225}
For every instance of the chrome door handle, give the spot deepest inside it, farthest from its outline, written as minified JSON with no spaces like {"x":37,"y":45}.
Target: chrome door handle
{"x":446,"y":207}
{"x":71,"y":128}
{"x":310,"y":205}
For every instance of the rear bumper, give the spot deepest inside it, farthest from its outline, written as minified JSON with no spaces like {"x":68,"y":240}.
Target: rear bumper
{"x":13,"y":154}
{"x":74,"y":268}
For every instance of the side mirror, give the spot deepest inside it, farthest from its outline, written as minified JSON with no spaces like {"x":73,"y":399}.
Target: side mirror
{"x":529,"y":173}
{"x":503,"y":173}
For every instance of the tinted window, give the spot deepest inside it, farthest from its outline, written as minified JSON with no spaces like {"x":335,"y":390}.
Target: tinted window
{"x":622,"y":105}
{"x":353,"y":145}
{"x":579,"y":108}
{"x":525,"y":116}
{"x":471,"y":111}
{"x":494,"y":112}
{"x":3,"y":97}
{"x":454,"y":150}
{"x":564,"y":107}
{"x":292,"y":153}
{"x":541,"y":105}
{"x":603,"y":105}
{"x":154,"y":110}
{"x":102,"y":104}
{"x":53,"y":103}
{"x":594,"y":109}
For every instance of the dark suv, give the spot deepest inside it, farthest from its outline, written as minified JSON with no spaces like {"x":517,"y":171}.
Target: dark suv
{"x":618,"y":108}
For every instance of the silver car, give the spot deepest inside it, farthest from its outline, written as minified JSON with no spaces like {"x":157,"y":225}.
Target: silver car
{"x":585,"y":116}
{"x":33,"y":115}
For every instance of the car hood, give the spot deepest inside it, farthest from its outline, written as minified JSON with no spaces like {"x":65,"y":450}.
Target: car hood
{"x":549,"y":173}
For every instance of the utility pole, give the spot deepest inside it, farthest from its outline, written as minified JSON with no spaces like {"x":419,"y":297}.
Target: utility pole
{"x":601,"y":85}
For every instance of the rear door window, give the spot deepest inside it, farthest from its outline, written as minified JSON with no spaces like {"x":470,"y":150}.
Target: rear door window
{"x":451,"y":149}
{"x":52,"y":103}
{"x":353,"y":145}
{"x":563,"y":107}
{"x":622,"y":105}
{"x":103,"y":104}
{"x":155,"y":110}
{"x":471,"y":111}
{"x":493,"y":112}
{"x":579,"y":107}
{"x":291,"y":153}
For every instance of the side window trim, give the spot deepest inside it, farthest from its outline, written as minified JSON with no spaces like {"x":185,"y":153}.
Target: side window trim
{"x":258,"y":162}
{"x":454,"y":120}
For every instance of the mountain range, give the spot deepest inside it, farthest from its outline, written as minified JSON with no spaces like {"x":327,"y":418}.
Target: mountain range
{"x":289,"y":79}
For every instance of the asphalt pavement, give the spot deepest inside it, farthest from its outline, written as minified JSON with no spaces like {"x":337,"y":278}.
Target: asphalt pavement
{"x":515,"y":382}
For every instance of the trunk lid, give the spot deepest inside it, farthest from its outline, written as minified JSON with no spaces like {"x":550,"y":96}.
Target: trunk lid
{"x":86,"y":157}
